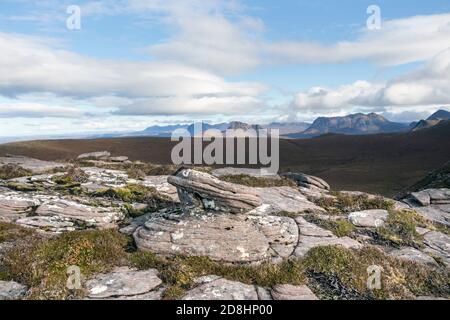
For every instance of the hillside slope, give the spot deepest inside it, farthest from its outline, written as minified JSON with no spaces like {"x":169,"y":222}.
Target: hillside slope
{"x":383,"y":163}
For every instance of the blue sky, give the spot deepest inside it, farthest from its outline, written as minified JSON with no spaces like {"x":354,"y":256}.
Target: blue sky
{"x":136,"y":63}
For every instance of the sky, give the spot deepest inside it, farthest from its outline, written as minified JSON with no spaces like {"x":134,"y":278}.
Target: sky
{"x":70,"y":67}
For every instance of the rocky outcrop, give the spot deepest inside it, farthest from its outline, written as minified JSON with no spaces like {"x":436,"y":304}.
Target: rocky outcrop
{"x":312,"y":236}
{"x":433,"y":204}
{"x":161,"y":185}
{"x":52,"y":224}
{"x":14,"y":206}
{"x":438,"y":245}
{"x":229,"y":171}
{"x":125,"y":283}
{"x":101,"y":155}
{"x":201,"y":190}
{"x":102,"y":217}
{"x":212,"y":225}
{"x":222,"y":237}
{"x":278,"y":199}
{"x":10,"y":290}
{"x":369,"y":218}
{"x":34,"y":165}
{"x":414,"y":255}
{"x":198,"y":190}
{"x":290,"y":292}
{"x":307,"y":181}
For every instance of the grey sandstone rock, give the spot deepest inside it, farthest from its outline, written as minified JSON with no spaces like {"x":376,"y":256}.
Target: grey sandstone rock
{"x":433,"y":204}
{"x":307,"y":181}
{"x":118,"y":159}
{"x":14,"y":205}
{"x":438,"y":244}
{"x":48,"y":224}
{"x":222,"y":237}
{"x":161,"y":185}
{"x":10,"y":290}
{"x":222,"y":289}
{"x":312,"y":236}
{"x":34,"y":165}
{"x":124,"y":282}
{"x":411,"y":254}
{"x":290,"y":292}
{"x":286,"y":199}
{"x":369,"y":218}
{"x":102,"y":217}
{"x":229,"y":171}
{"x":198,"y":189}
{"x":95,"y":155}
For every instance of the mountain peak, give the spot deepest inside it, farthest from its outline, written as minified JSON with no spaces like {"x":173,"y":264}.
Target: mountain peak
{"x":358,"y":123}
{"x":440,"y":115}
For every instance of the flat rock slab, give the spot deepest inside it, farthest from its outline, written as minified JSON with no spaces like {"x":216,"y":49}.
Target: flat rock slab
{"x":307,"y":181}
{"x":414,"y":255}
{"x":48,"y":224}
{"x":102,"y":217}
{"x":229,"y":171}
{"x":14,"y":206}
{"x":95,"y":155}
{"x":123,"y":282}
{"x":433,"y":204}
{"x":438,"y":244}
{"x":161,"y":185}
{"x":222,"y":237}
{"x":34,"y":165}
{"x":222,"y":289}
{"x":431,"y":196}
{"x":285,"y":199}
{"x":369,"y":218}
{"x":290,"y":292}
{"x":10,"y":290}
{"x":312,"y":236}
{"x":106,"y":177}
{"x":281,"y":233}
{"x":436,"y":213}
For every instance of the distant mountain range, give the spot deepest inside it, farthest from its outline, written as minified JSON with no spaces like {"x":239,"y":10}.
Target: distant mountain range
{"x":353,"y":124}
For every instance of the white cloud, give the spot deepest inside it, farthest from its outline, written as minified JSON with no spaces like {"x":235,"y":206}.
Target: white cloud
{"x":399,"y":41}
{"x":192,"y":105}
{"x":428,"y":86}
{"x":36,"y":110}
{"x":33,"y":66}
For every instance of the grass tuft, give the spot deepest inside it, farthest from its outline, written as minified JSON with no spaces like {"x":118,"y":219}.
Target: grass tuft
{"x":11,"y":171}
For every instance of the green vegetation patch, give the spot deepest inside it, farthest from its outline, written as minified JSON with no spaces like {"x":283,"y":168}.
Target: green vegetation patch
{"x":10,"y":232}
{"x":400,"y":228}
{"x":179,"y":272}
{"x":345,"y":203}
{"x":74,"y":175}
{"x":133,"y":193}
{"x":11,"y":171}
{"x":332,"y":272}
{"x":23,"y":187}
{"x":42,"y":264}
{"x":339,"y":273}
{"x":258,"y":182}
{"x":340,"y":228}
